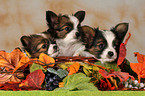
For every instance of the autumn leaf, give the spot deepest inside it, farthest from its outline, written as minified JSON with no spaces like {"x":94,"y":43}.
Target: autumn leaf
{"x":45,"y":59}
{"x":140,"y":57}
{"x":15,"y":87}
{"x":10,"y":86}
{"x":73,"y":68}
{"x":6,"y":77}
{"x":34,"y":79}
{"x":139,"y":68}
{"x":23,"y":62}
{"x":5,"y":60}
{"x":122,"y":51}
{"x":123,"y":76}
{"x":11,"y":62}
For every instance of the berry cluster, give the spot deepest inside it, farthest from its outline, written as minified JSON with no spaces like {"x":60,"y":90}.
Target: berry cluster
{"x":52,"y":81}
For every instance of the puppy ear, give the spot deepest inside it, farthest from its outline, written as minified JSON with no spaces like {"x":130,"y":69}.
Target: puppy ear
{"x":51,"y":18}
{"x":80,"y":15}
{"x":87,"y":35}
{"x":25,"y":40}
{"x":120,"y":30}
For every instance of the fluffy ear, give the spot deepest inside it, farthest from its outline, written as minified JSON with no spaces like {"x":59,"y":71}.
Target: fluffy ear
{"x":87,"y":35}
{"x":25,"y":40}
{"x":120,"y":30}
{"x":80,"y":15}
{"x":51,"y":18}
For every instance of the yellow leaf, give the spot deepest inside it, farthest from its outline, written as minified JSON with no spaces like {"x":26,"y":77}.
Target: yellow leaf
{"x":46,"y":59}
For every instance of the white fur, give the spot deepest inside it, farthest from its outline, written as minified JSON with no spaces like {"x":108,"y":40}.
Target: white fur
{"x":51,"y":52}
{"x":109,"y":36}
{"x":43,"y":35}
{"x":70,"y":45}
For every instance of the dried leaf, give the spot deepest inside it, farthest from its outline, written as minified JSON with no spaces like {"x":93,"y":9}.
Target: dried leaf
{"x":23,"y":62}
{"x":121,"y":75}
{"x":8,"y":62}
{"x":139,"y":68}
{"x":140,"y":57}
{"x":122,"y":51}
{"x":34,"y":79}
{"x":46,"y":59}
{"x":5,"y":60}
{"x":74,"y":68}
{"x":11,"y":86}
{"x":15,"y":87}
{"x":5,"y":77}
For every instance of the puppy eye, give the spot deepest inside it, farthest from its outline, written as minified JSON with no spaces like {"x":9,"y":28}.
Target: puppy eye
{"x":67,"y":28}
{"x":101,"y":46}
{"x":55,"y":47}
{"x":44,"y":46}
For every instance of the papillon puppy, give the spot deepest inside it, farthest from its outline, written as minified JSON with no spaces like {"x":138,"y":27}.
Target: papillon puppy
{"x":104,"y":44}
{"x":36,"y":44}
{"x":65,"y":30}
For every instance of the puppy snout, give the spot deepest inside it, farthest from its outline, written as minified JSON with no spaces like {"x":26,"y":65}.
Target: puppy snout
{"x":110,"y":53}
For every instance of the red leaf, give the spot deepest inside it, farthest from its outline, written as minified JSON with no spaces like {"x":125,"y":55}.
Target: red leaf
{"x":121,"y":75}
{"x":10,"y":86}
{"x":34,"y":79}
{"x":122,"y":54}
{"x":122,"y":51}
{"x":15,"y":87}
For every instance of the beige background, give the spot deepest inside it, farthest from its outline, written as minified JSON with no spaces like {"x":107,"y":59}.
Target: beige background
{"x":23,"y":17}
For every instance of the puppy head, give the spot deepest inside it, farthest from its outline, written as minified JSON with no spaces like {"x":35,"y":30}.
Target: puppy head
{"x":37,"y":44}
{"x":105,"y":44}
{"x":61,"y":25}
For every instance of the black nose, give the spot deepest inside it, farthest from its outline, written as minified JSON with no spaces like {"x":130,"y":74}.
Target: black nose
{"x":110,"y":53}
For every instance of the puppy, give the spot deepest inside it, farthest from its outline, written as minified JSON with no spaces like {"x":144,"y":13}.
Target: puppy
{"x":39,"y":43}
{"x":65,"y":30}
{"x":104,"y":44}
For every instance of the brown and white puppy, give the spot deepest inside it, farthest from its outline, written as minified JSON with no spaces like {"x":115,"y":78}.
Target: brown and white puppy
{"x":39,"y":43}
{"x":65,"y":30}
{"x":104,"y":44}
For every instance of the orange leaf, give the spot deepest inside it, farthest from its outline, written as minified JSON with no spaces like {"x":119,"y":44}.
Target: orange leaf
{"x":136,"y":67}
{"x":139,"y":68}
{"x":61,"y":84}
{"x":8,"y":62}
{"x":46,"y":59}
{"x":5,"y":60}
{"x":74,"y":68}
{"x":22,"y":62}
{"x":34,"y":79}
{"x":140,"y":57}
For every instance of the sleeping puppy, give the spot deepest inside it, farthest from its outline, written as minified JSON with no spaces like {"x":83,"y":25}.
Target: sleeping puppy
{"x":104,"y":44}
{"x":36,"y":44}
{"x":65,"y":30}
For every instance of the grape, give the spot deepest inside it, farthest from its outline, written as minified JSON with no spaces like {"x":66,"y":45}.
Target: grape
{"x":52,"y":81}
